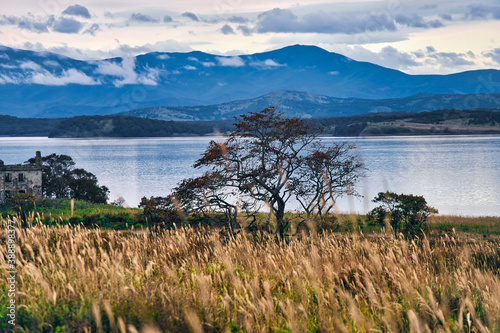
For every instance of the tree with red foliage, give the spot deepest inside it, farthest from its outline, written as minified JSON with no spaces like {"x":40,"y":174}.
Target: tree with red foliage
{"x":268,"y":159}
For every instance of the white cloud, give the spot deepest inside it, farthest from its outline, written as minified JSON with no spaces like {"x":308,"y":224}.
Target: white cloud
{"x":190,"y":68}
{"x":266,"y":64}
{"x":231,"y":61}
{"x":70,"y":76}
{"x":208,"y":64}
{"x":51,"y":63}
{"x":163,"y":56}
{"x":30,"y":65}
{"x":126,"y":71}
{"x":5,"y":79}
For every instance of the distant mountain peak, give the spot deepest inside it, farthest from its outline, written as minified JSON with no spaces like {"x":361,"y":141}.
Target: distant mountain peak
{"x":44,"y":84}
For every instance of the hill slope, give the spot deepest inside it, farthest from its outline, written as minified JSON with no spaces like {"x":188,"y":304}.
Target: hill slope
{"x":48,"y":85}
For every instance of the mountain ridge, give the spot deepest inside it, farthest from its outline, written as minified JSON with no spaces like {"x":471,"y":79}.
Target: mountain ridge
{"x":43,"y":84}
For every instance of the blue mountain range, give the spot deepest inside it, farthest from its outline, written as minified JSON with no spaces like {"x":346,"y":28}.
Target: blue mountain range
{"x":42,"y":84}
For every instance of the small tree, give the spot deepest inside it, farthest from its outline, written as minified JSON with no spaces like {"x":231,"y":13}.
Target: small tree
{"x":161,"y":210}
{"x":61,"y":180}
{"x":407,"y":213}
{"x":265,"y":159}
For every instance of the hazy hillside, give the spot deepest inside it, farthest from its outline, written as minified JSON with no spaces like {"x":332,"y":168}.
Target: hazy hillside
{"x":400,"y":123}
{"x":307,"y":105}
{"x":49,"y":85}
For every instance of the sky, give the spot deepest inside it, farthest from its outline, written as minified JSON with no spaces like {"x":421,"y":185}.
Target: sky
{"x":414,"y":36}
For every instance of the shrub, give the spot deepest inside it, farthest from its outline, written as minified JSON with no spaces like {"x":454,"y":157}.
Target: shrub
{"x":407,"y":213}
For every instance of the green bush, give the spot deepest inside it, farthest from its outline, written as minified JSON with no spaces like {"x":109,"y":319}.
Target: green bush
{"x":407,"y":213}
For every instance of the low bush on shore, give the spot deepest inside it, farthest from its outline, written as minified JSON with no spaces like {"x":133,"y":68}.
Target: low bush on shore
{"x":74,"y":279}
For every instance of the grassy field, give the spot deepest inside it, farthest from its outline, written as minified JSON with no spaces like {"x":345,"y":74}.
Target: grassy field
{"x":73,"y":279}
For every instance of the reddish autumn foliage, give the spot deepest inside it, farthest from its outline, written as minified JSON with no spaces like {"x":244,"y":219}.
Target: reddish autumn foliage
{"x":268,"y":160}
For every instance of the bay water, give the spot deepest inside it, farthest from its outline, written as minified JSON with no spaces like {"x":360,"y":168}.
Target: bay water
{"x":458,"y":175}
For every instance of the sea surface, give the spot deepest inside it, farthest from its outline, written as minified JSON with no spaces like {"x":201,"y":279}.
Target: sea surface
{"x":456,"y":174}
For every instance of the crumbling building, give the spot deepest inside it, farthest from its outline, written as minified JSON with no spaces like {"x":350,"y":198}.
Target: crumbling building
{"x":21,"y":178}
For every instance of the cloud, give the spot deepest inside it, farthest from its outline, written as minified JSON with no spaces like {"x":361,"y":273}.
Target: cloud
{"x":70,"y":76}
{"x":416,"y":21}
{"x":126,"y":71}
{"x":446,"y":17}
{"x":191,"y":16}
{"x":93,"y":29}
{"x":449,"y":59}
{"x":167,"y":19}
{"x":231,"y":61}
{"x":31,"y":23}
{"x":163,"y":56}
{"x":417,"y":61}
{"x":266,"y":64}
{"x":51,"y":63}
{"x":227,"y":30}
{"x":67,"y":26}
{"x":237,"y":19}
{"x":482,"y":12}
{"x":245,"y":30}
{"x":30,"y":65}
{"x":493,"y":54}
{"x":207,"y":64}
{"x":77,"y":10}
{"x":138,"y":17}
{"x":190,"y":68}
{"x":283,"y":20}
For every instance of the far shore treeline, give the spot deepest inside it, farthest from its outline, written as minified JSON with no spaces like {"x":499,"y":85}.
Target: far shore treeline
{"x":441,"y":122}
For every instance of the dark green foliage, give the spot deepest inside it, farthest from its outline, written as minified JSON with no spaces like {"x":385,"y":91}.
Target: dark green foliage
{"x":61,"y":180}
{"x":161,"y":211}
{"x":126,"y":126}
{"x":407,"y":213}
{"x":13,"y":126}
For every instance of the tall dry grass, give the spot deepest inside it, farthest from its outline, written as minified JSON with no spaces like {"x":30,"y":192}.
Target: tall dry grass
{"x":79,"y":280}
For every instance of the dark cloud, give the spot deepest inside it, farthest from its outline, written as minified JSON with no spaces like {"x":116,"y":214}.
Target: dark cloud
{"x":404,"y":60}
{"x":67,"y":26}
{"x":167,"y":19}
{"x":482,"y":12}
{"x":237,"y":19}
{"x":191,"y":16}
{"x":449,"y":59}
{"x":245,"y":30}
{"x":227,"y":30}
{"x":416,"y":21}
{"x":33,"y":26}
{"x":283,"y":20}
{"x":138,"y":17}
{"x":446,"y":17}
{"x":94,"y":28}
{"x":28,"y":23}
{"x":77,"y":10}
{"x":493,"y":54}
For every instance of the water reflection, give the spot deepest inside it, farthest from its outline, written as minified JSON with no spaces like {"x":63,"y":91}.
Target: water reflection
{"x":456,"y":174}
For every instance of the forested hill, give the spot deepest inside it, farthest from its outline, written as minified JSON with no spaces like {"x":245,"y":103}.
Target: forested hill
{"x":388,"y":123}
{"x":13,"y":126}
{"x":127,"y":126}
{"x":393,"y":123}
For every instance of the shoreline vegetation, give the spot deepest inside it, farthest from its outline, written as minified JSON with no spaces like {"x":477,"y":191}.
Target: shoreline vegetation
{"x":206,"y":279}
{"x":442,"y":122}
{"x":206,"y":258}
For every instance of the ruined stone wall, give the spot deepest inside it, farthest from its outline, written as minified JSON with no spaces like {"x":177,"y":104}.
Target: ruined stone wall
{"x":20,"y":179}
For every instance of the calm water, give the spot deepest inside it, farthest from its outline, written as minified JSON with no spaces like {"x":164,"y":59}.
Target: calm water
{"x":456,"y":174}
